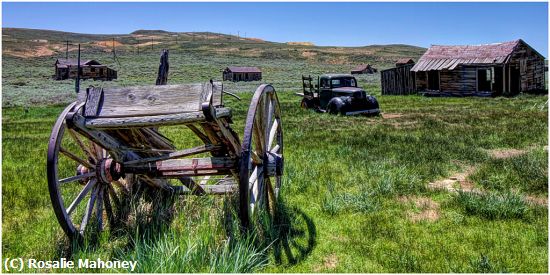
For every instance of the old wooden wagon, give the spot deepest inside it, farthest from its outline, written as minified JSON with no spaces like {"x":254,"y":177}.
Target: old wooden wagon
{"x":111,"y":139}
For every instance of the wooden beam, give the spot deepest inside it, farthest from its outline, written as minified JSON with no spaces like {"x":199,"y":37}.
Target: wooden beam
{"x":196,"y":164}
{"x":150,"y":121}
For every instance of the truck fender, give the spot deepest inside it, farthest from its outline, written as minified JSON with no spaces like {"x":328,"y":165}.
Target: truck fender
{"x":336,"y":106}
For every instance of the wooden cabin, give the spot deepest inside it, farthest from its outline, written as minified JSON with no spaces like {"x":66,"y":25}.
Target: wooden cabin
{"x":89,"y":69}
{"x":499,"y":69}
{"x":364,"y":69}
{"x":242,"y":74}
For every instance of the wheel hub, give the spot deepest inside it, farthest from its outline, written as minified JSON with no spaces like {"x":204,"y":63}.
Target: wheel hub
{"x":275,"y":164}
{"x":108,"y":170}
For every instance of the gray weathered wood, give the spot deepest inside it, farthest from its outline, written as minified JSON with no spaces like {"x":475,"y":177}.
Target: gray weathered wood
{"x":152,"y":120}
{"x":155,"y":100}
{"x":93,"y":101}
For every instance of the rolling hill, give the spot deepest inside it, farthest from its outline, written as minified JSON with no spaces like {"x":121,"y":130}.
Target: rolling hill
{"x":29,"y":55}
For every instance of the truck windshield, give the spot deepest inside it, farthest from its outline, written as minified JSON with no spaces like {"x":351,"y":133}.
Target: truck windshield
{"x":343,"y":82}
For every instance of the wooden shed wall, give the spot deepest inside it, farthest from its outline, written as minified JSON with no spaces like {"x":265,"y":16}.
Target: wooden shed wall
{"x":461,"y":79}
{"x":531,"y":68}
{"x":398,"y":81}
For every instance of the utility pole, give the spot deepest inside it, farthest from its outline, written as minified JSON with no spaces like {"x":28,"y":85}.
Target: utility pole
{"x":114,"y":49}
{"x":67,"y":50}
{"x":77,"y":83}
{"x":151,"y":43}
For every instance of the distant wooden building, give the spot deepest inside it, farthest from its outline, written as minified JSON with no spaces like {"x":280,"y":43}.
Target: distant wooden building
{"x":364,"y":69}
{"x":398,"y":80}
{"x":403,"y":61}
{"x":89,"y":69}
{"x":500,"y":69}
{"x":242,"y":74}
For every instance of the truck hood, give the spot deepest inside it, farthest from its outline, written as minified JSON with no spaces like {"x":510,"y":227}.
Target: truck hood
{"x":347,"y":89}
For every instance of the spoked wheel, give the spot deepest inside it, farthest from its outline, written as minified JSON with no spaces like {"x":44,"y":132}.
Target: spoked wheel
{"x":86,"y":187}
{"x":261,"y":165}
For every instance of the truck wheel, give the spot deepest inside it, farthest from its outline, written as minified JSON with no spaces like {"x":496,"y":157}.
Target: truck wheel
{"x":373,"y":104}
{"x":336,"y":106}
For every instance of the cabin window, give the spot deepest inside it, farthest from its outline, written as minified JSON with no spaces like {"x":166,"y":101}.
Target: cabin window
{"x":92,"y":70}
{"x":433,"y":80}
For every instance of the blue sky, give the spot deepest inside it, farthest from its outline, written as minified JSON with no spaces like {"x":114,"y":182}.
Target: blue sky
{"x":335,"y":24}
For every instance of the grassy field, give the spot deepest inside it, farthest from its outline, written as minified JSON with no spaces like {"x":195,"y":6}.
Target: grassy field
{"x":432,"y":185}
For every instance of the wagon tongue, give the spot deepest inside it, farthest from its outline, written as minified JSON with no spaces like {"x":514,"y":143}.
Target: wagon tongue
{"x":108,"y":170}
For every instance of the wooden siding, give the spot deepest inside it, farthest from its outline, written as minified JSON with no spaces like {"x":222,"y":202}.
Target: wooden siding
{"x":461,"y":79}
{"x":398,"y":81}
{"x":231,"y":76}
{"x":531,"y":68}
{"x":86,"y":72}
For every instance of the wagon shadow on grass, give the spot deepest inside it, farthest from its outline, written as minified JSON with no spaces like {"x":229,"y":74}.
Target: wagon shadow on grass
{"x":296,"y":235}
{"x":290,"y":235}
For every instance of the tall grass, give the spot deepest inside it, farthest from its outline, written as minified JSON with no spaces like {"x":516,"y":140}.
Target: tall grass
{"x":493,"y":205}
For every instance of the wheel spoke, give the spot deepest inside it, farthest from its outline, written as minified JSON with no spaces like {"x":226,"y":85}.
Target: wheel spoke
{"x":75,"y":178}
{"x":257,"y":160}
{"x":268,"y":116}
{"x":270,"y":194}
{"x":253,"y":178}
{"x":108,"y":207}
{"x":81,"y":195}
{"x":80,"y":143}
{"x":275,"y":149}
{"x":113,"y":194}
{"x":74,"y":157}
{"x":272,"y":133}
{"x":89,"y":209}
{"x":99,"y":208}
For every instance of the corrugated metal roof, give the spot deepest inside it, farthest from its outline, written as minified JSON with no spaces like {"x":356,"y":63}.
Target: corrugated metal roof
{"x":439,"y":57}
{"x":244,"y":69}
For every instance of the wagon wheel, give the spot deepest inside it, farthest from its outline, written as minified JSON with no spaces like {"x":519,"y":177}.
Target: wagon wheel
{"x":86,"y":196}
{"x":261,"y":164}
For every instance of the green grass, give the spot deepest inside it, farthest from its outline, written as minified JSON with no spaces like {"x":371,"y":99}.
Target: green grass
{"x":342,"y":203}
{"x":527,"y":172}
{"x":340,"y":208}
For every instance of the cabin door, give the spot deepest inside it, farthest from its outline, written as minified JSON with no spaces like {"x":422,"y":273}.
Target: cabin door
{"x":433,"y":80}
{"x":484,"y":80}
{"x":515,"y":81}
{"x":498,"y":84}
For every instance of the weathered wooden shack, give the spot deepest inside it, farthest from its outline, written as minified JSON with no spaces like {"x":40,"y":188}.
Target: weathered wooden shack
{"x":403,"y":61}
{"x":499,"y":69}
{"x":242,"y":74}
{"x":398,"y":80}
{"x":364,"y":69}
{"x":89,"y":69}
